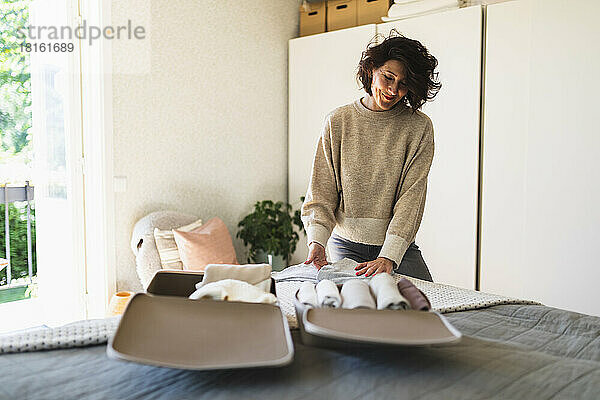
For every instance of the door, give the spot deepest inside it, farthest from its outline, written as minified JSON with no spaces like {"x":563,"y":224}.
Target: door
{"x":57,"y":173}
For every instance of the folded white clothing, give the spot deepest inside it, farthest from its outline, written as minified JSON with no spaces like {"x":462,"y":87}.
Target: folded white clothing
{"x":356,"y":294}
{"x":408,"y":9}
{"x":400,"y":17}
{"x":258,"y":275}
{"x":386,"y":293}
{"x":299,"y":272}
{"x":233,"y":290}
{"x":307,"y":294}
{"x":339,"y":271}
{"x":328,"y":294}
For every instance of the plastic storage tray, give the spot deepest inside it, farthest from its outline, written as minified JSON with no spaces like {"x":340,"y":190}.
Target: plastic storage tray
{"x":165,"y":328}
{"x":338,"y":327}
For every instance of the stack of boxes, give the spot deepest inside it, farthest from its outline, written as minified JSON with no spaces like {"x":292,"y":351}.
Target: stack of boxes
{"x":331,"y":15}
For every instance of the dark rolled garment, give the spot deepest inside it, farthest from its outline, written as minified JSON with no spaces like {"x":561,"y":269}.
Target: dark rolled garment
{"x":416,"y":298}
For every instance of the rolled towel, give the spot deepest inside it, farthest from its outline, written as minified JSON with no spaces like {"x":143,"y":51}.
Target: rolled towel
{"x":416,"y":298}
{"x":233,"y":290}
{"x":356,"y":294}
{"x":387,"y":293}
{"x":258,"y":275}
{"x":307,"y":294}
{"x":328,"y":294}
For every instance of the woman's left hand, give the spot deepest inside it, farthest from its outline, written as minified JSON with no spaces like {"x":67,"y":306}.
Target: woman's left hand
{"x":377,"y":266}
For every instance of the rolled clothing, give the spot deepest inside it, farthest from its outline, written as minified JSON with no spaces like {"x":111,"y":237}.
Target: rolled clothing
{"x":387,"y":293}
{"x":233,"y":290}
{"x":356,"y":294}
{"x":416,"y":298}
{"x":307,"y":294}
{"x":328,"y":294}
{"x":258,"y":275}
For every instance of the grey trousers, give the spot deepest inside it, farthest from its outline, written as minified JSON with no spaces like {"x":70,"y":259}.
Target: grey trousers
{"x":412,"y":263}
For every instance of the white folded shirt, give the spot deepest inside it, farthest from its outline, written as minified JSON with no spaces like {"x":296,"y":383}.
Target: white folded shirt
{"x":386,"y":292}
{"x":328,"y":294}
{"x":233,"y":290}
{"x":356,"y":294}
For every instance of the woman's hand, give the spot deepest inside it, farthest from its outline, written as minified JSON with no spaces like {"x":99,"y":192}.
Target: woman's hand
{"x":377,"y":266}
{"x":316,"y":255}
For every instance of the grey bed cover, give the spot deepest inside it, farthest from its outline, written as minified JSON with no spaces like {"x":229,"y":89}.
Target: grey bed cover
{"x":508,"y":351}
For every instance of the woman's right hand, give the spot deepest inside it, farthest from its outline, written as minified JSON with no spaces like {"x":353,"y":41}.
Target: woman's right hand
{"x":316,"y":255}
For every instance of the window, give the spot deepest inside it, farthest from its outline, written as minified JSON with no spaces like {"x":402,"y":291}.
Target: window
{"x":63,"y":140}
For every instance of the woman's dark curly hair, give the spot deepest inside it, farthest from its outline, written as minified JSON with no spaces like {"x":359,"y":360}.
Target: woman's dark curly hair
{"x":418,"y":65}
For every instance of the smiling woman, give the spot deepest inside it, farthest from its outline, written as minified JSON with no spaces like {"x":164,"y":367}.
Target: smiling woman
{"x":401,"y":68}
{"x":384,"y":146}
{"x":388,"y":86}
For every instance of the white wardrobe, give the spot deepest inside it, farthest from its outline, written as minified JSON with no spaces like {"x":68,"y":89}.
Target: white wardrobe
{"x":538,"y":233}
{"x":541,"y":159}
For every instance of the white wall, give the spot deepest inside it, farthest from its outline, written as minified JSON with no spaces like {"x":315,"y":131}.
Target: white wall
{"x":205,"y":130}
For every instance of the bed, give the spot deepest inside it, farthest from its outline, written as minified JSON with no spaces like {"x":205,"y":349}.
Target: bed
{"x":510,"y":349}
{"x":513,"y":351}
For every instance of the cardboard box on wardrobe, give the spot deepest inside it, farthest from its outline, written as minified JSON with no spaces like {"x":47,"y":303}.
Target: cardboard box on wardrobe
{"x":312,"y":21}
{"x":332,"y":15}
{"x":341,"y":14}
{"x":371,"y":11}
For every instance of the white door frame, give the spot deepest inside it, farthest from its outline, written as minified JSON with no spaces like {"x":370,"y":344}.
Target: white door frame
{"x":97,"y":124}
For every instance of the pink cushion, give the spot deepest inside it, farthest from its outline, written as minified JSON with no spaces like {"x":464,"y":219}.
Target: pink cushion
{"x":208,"y":244}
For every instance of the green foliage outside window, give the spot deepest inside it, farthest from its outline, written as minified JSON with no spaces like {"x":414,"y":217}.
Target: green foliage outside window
{"x":15,"y":136}
{"x":17,"y":217}
{"x":15,"y":83}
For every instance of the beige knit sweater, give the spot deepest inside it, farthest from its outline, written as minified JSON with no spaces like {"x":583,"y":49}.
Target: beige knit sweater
{"x":369,"y":177}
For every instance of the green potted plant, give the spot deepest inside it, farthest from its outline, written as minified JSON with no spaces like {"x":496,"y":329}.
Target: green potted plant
{"x":269,"y":231}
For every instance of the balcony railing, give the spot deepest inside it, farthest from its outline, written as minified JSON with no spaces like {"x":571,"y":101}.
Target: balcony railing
{"x":9,"y":195}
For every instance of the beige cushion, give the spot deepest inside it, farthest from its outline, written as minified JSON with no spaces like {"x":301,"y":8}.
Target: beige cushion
{"x":208,"y":244}
{"x":167,"y":248}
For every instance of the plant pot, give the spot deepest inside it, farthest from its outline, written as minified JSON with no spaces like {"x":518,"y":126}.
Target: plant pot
{"x":276,"y":262}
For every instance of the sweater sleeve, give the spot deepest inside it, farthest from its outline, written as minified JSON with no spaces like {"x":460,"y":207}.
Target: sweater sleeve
{"x":410,"y":201}
{"x":322,"y":196}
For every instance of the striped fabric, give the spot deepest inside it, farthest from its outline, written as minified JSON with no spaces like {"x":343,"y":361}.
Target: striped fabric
{"x":167,"y":248}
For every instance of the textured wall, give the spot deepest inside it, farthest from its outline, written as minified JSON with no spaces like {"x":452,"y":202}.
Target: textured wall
{"x":204,"y":129}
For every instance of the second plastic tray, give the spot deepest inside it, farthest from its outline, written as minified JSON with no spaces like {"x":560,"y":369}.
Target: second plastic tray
{"x":334,"y":327}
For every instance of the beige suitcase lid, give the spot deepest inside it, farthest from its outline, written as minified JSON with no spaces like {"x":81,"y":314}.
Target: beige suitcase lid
{"x":170,"y":330}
